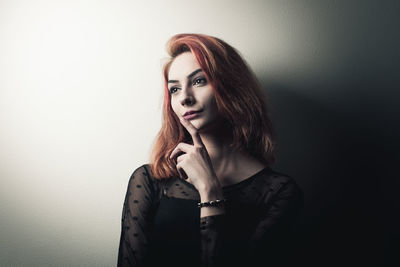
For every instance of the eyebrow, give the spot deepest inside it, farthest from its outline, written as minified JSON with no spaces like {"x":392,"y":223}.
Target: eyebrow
{"x":189,"y":76}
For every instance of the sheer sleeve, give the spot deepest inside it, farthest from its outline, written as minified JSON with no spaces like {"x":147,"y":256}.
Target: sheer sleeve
{"x":211,"y":239}
{"x":136,"y":219}
{"x":273,"y":236}
{"x":267,"y":242}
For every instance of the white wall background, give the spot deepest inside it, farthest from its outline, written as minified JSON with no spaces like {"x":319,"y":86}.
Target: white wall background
{"x":80,"y":105}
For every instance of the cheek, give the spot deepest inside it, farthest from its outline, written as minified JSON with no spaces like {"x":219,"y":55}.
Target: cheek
{"x":212,"y":104}
{"x":214,"y":108}
{"x":172,"y":104}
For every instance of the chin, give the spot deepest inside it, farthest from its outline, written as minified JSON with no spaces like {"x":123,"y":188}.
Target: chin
{"x":197,"y":124}
{"x":205,"y":126}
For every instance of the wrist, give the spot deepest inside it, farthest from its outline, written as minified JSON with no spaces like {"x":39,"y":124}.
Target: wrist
{"x":210,"y":192}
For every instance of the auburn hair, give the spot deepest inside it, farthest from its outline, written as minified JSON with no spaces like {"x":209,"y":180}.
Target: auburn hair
{"x":238,"y":95}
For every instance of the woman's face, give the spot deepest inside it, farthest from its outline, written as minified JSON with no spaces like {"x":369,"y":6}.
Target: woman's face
{"x":190,"y":91}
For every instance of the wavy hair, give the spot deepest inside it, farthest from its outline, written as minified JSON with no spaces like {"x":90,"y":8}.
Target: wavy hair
{"x":238,"y":95}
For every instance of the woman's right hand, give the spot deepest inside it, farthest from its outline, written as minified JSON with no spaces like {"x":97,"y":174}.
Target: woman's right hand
{"x":195,"y":163}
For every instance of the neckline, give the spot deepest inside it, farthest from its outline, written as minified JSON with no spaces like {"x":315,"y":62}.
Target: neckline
{"x":245,"y":181}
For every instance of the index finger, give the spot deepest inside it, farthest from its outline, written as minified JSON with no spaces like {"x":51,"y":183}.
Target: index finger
{"x":193,"y":132}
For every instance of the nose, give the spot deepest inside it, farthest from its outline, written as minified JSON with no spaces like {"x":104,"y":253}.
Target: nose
{"x":187,"y":97}
{"x":187,"y":101}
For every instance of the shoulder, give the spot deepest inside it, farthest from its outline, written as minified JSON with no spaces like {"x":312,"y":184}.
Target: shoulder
{"x":142,"y":176}
{"x":142,"y":170}
{"x":281,"y":192}
{"x":279,"y":182}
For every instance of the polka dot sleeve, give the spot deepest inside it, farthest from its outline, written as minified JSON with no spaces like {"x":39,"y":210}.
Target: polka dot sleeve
{"x":211,"y":238}
{"x":136,"y":219}
{"x":282,"y":206}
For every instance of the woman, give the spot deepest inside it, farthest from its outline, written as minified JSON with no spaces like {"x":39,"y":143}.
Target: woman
{"x":209,"y":196}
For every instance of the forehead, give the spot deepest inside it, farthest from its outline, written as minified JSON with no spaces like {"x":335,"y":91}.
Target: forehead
{"x":182,"y":66}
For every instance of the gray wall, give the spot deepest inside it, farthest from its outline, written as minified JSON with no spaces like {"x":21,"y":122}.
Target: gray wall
{"x":338,"y":128}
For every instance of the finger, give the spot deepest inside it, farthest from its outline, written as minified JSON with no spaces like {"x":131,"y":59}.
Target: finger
{"x":180,"y":157}
{"x":180,"y":148}
{"x":193,"y":132}
{"x":181,"y":172}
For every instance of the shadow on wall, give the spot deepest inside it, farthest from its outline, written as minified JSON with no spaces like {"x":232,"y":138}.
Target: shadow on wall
{"x":343,"y":161}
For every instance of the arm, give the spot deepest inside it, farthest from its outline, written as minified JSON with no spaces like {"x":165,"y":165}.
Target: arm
{"x":211,"y":224}
{"x":281,"y":206}
{"x":136,"y":220}
{"x":272,"y":237}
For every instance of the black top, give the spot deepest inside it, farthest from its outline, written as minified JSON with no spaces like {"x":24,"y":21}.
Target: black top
{"x":161,"y":224}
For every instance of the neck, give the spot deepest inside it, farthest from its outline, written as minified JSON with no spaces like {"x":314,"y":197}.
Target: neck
{"x":230,"y":165}
{"x":217,"y":143}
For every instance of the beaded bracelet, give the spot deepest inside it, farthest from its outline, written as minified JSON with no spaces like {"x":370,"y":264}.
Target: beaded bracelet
{"x":211,"y":203}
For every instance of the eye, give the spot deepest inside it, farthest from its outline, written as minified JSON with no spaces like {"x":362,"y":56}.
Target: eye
{"x":171,"y":90}
{"x":199,"y":80}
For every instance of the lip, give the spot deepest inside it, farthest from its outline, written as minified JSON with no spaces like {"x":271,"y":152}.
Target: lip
{"x":192,"y":115}
{"x":192,"y":111}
